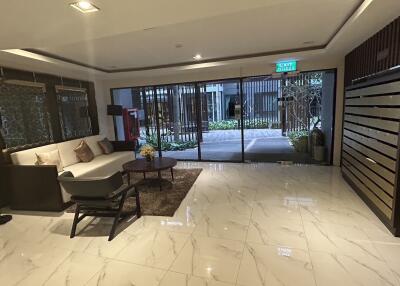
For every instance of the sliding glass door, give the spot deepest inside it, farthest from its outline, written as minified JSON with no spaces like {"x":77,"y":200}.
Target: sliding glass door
{"x":262,"y":120}
{"x":178,"y":119}
{"x":250,"y":119}
{"x":221,"y":121}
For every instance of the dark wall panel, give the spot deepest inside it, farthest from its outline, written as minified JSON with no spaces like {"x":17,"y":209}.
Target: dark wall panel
{"x":370,"y":143}
{"x":376,"y":55}
{"x":370,"y":151}
{"x":51,"y":81}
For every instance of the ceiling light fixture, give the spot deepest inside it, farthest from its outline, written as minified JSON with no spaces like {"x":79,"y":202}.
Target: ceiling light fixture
{"x":197,"y":57}
{"x":84,"y":7}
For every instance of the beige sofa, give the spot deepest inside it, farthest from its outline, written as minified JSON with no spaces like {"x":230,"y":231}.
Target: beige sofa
{"x":24,"y":166}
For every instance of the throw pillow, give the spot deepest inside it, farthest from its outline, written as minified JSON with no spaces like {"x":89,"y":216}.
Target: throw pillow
{"x":106,"y":146}
{"x":83,"y":152}
{"x":50,"y":158}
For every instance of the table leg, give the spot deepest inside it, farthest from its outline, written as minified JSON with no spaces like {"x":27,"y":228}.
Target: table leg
{"x":129,"y":177}
{"x":172,"y":173}
{"x":138,"y":209}
{"x":160,"y":179}
{"x":144,"y":175}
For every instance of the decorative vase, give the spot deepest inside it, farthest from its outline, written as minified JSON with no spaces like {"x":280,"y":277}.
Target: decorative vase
{"x":149,"y":158}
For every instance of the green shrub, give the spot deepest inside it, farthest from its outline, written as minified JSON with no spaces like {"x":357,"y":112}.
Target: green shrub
{"x":170,"y":146}
{"x":233,"y":124}
{"x":223,"y":125}
{"x":299,"y":140}
{"x":255,"y":124}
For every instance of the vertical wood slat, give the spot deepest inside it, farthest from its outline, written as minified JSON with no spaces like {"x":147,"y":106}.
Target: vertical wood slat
{"x":363,"y":60}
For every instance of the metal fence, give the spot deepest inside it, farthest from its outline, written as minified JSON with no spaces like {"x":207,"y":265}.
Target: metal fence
{"x":174,"y":112}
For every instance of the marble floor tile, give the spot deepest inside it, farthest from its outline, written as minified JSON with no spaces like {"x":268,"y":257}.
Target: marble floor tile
{"x":241,"y":224}
{"x":282,"y":232}
{"x":121,"y":273}
{"x":345,"y":215}
{"x":280,"y":192}
{"x":265,"y":265}
{"x":25,"y":263}
{"x":153,"y":247}
{"x":379,"y":233}
{"x":228,"y":221}
{"x":274,"y":210}
{"x":30,"y":228}
{"x":332,"y":269}
{"x":76,"y":270}
{"x":179,"y":279}
{"x":390,"y":251}
{"x":210,"y":258}
{"x":335,"y":238}
{"x":243,"y":196}
{"x":174,"y":224}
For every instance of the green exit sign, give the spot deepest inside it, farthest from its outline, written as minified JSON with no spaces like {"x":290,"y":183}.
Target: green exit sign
{"x":288,"y":66}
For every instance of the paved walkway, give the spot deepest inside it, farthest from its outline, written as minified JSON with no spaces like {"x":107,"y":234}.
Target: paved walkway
{"x":226,"y":135}
{"x":262,"y":145}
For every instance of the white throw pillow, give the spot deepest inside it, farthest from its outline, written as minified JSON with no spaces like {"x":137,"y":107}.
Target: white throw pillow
{"x":50,"y":158}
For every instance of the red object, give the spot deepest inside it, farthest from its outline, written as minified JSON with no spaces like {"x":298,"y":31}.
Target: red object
{"x":131,"y":124}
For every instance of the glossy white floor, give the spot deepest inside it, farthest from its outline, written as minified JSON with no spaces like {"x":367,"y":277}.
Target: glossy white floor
{"x":247,"y":225}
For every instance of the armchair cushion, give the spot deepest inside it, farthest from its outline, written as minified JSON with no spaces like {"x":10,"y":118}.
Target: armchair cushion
{"x":87,"y":188}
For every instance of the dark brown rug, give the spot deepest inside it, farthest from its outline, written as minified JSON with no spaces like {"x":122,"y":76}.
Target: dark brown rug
{"x":165,"y":202}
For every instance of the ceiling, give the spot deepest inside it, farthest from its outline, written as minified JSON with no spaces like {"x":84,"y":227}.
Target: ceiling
{"x":143,"y":35}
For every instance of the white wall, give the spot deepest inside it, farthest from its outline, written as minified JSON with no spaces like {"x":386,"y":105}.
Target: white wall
{"x":232,"y":72}
{"x":103,"y":86}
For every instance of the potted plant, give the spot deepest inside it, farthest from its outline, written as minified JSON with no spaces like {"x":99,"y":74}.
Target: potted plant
{"x":318,"y":144}
{"x":299,"y":140}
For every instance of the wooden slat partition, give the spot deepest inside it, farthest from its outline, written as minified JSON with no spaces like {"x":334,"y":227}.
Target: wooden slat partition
{"x":392,"y":87}
{"x":370,"y":151}
{"x":374,"y":111}
{"x":378,"y":54}
{"x":387,"y":125}
{"x":387,"y":211}
{"x":373,"y":133}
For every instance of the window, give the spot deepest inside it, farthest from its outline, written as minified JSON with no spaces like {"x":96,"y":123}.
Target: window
{"x":73,"y":108}
{"x":24,"y":116}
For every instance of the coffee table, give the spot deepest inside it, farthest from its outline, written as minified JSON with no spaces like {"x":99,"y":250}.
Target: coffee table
{"x":158,"y":164}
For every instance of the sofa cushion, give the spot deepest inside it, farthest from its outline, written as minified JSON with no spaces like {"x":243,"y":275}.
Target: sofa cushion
{"x":102,"y":165}
{"x":67,"y":154}
{"x":92,"y":142}
{"x":106,"y":146}
{"x":28,"y":157}
{"x":49,"y":158}
{"x":83,"y":152}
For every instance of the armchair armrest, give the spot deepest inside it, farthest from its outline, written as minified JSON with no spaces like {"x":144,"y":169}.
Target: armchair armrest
{"x":35,"y":188}
{"x":124,"y":145}
{"x":5,"y":188}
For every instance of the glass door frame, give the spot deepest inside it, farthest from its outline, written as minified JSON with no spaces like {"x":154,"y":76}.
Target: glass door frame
{"x":199,"y":112}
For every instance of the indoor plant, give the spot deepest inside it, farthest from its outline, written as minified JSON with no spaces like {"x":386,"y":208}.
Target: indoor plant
{"x":147,"y":151}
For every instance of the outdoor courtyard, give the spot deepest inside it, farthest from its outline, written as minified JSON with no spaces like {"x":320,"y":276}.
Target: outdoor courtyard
{"x":267,"y":145}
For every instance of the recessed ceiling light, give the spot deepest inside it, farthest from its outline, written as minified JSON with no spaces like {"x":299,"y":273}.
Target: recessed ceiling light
{"x":84,"y":7}
{"x":197,"y":57}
